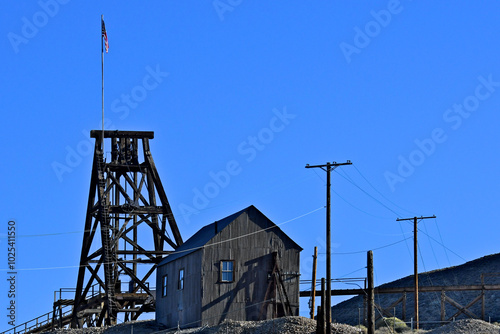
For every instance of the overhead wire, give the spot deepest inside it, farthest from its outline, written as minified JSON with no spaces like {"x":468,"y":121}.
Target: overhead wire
{"x":349,"y":203}
{"x":380,"y":193}
{"x":451,"y":251}
{"x":462,"y":298}
{"x":406,"y":243}
{"x":432,"y":247}
{"x":374,"y":249}
{"x":367,"y":194}
{"x":442,"y":242}
{"x":196,"y":248}
{"x":350,"y":180}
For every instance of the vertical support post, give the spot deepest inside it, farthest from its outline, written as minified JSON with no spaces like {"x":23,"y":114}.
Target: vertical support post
{"x":313,"y":287}
{"x":371,"y":294}
{"x":443,"y":306}
{"x":102,"y":79}
{"x":328,"y":253}
{"x":483,"y":301}
{"x":319,"y":322}
{"x":404,"y":307}
{"x":415,"y":261}
{"x":365,"y":309}
{"x":323,"y":307}
{"x":483,"y":306}
{"x":415,"y":269}
{"x":60,"y":316}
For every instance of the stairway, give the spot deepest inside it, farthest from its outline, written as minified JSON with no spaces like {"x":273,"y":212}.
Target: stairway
{"x":107,"y":244}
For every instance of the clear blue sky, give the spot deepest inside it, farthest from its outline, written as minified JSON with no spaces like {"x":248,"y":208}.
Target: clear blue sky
{"x":409,"y":91}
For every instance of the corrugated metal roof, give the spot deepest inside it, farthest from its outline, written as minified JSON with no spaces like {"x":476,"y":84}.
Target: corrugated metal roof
{"x":205,"y":234}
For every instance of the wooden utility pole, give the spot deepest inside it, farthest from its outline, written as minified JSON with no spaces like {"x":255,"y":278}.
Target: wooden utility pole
{"x":328,"y":167}
{"x":415,"y":260}
{"x":321,"y":320}
{"x":313,"y":284}
{"x":371,"y":294}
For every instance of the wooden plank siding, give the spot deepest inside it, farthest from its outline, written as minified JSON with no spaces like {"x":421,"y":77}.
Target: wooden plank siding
{"x":249,"y":240}
{"x":183,"y":306}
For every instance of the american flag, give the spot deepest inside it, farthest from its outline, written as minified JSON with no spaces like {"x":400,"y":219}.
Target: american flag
{"x":104,"y":35}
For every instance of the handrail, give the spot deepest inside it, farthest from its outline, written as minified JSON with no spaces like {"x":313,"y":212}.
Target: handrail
{"x":28,"y":327}
{"x":46,"y":319}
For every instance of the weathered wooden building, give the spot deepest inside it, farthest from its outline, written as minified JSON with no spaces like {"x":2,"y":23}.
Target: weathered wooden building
{"x":242,"y":267}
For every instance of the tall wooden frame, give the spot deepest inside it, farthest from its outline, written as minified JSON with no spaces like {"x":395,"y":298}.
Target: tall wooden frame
{"x":122,"y":208}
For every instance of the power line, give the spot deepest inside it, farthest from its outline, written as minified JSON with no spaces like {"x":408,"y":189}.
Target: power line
{"x":443,"y":245}
{"x":373,"y":249}
{"x":432,"y":247}
{"x":195,"y":248}
{"x":371,"y":185}
{"x":369,"y":195}
{"x":441,"y":238}
{"x":349,"y":203}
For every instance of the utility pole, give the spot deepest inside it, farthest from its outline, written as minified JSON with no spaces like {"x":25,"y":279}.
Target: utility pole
{"x":328,"y":167}
{"x":313,"y":284}
{"x":371,"y":294}
{"x":415,"y":259}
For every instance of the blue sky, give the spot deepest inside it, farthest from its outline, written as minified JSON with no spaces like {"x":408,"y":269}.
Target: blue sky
{"x":409,"y":91}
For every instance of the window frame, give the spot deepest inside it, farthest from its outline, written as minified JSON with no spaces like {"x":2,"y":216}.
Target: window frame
{"x":222,"y":271}
{"x":164,"y":285}
{"x":180,"y":282}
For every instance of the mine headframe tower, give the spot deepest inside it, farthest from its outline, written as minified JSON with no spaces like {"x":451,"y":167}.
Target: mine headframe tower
{"x":122,"y":210}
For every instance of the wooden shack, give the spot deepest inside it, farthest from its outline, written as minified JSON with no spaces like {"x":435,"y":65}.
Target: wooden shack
{"x":242,"y":267}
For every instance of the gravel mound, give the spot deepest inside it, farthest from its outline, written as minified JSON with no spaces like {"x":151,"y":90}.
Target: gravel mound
{"x":137,"y":327}
{"x":467,"y":326}
{"x":286,"y":325}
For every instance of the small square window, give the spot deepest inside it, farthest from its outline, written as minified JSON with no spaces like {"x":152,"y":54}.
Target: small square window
{"x":181,"y":279}
{"x":227,"y":271}
{"x":164,"y":286}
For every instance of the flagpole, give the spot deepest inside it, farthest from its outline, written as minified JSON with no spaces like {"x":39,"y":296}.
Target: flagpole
{"x":102,"y":80}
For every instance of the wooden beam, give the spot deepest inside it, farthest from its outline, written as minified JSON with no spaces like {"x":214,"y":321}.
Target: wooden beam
{"x":313,"y":284}
{"x":461,"y":309}
{"x":136,"y":190}
{"x":443,"y":305}
{"x":161,"y":193}
{"x":122,"y":134}
{"x":353,"y":292}
{"x":87,"y":235}
{"x":404,"y":307}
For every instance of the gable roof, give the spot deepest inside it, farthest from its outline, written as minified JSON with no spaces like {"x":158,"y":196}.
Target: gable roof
{"x":206,"y":233}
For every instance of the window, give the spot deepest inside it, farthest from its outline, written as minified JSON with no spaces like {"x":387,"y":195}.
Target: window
{"x":180,"y":285}
{"x":227,"y":271}
{"x":164,"y":286}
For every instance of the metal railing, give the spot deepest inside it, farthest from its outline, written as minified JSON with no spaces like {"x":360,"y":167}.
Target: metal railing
{"x":41,"y":321}
{"x":48,"y":318}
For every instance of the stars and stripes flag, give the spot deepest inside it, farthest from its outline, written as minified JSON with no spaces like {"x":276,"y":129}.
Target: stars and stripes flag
{"x":104,"y":35}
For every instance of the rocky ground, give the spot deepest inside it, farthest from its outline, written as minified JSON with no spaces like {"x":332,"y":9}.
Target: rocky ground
{"x":468,"y":326}
{"x":288,"y":325}
{"x":347,"y":312}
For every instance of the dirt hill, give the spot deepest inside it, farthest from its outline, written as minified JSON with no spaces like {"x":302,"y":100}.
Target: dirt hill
{"x":430,"y":302}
